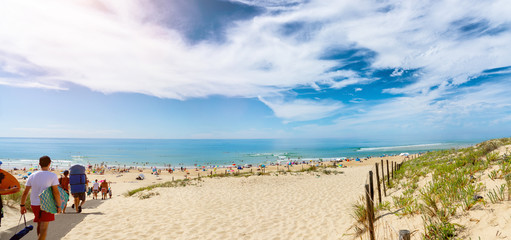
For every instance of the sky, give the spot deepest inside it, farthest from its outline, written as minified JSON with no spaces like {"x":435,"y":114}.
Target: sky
{"x":371,"y":69}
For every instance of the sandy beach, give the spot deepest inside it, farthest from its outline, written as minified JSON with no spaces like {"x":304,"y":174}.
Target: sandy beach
{"x":291,"y":205}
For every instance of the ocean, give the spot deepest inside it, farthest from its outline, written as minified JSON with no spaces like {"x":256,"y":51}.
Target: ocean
{"x":65,"y":152}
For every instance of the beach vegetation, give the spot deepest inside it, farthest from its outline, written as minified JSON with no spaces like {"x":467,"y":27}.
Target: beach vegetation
{"x":439,"y":230}
{"x":169,"y":184}
{"x":385,"y":205}
{"x":14,"y":200}
{"x":359,"y":213}
{"x":148,"y":195}
{"x":497,"y":194}
{"x":439,"y":186}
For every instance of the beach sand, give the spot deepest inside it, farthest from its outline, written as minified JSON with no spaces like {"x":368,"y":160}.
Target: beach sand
{"x":295,"y":205}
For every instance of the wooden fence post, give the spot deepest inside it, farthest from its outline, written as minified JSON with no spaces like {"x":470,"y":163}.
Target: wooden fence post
{"x":383,"y":178}
{"x":388,"y":173}
{"x":392,"y":169}
{"x":371,"y":186}
{"x":378,"y":182}
{"x":404,"y":235}
{"x":370,"y":213}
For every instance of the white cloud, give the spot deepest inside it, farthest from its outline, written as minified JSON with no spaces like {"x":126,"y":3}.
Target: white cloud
{"x":114,"y":46}
{"x":302,"y":110}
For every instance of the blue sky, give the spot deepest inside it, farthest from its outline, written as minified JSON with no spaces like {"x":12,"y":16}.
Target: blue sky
{"x":417,"y":70}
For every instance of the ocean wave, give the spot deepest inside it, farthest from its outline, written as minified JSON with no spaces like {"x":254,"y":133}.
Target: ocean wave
{"x":405,"y":147}
{"x":259,"y":154}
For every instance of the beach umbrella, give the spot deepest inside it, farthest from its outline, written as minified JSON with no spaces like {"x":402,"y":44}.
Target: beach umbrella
{"x":141,"y":175}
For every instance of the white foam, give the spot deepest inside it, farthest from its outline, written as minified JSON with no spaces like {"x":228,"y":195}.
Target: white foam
{"x":395,"y":148}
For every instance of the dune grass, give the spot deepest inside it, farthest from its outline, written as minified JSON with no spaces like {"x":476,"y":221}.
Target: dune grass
{"x":453,"y":185}
{"x":169,"y":184}
{"x":14,"y":200}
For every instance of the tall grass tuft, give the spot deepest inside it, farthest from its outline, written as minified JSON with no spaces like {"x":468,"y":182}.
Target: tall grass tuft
{"x":14,"y":200}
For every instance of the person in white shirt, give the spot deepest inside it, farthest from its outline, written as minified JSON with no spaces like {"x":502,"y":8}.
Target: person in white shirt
{"x":38,"y":182}
{"x":95,"y":189}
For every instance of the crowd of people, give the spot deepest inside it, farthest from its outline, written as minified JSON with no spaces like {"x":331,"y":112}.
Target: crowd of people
{"x":41,"y":180}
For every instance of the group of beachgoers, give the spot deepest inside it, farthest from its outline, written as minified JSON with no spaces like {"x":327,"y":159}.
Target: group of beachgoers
{"x":103,"y":186}
{"x":41,"y":180}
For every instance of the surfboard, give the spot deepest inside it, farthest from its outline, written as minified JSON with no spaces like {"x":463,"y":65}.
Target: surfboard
{"x":48,"y":203}
{"x":8,"y":181}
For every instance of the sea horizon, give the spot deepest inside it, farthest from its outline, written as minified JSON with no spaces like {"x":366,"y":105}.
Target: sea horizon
{"x":22,"y":152}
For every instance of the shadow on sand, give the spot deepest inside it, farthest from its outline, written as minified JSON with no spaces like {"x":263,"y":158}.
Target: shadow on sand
{"x":60,"y":227}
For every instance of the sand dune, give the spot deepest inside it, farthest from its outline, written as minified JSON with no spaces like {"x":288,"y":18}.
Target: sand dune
{"x":298,"y":206}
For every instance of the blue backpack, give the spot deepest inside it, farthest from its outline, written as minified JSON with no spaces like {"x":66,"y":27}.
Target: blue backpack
{"x":77,"y":179}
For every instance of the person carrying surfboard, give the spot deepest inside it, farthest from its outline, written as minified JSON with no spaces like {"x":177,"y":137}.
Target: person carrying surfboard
{"x":38,"y":182}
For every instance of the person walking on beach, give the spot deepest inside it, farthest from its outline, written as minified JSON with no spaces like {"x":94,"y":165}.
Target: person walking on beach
{"x":79,"y":199}
{"x":104,"y":189}
{"x":38,"y":182}
{"x":64,"y":184}
{"x":95,"y":189}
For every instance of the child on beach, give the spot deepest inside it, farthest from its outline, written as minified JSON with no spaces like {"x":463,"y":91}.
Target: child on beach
{"x":95,"y":189}
{"x":110,"y":192}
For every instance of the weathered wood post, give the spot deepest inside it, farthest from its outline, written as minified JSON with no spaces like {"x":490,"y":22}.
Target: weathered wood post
{"x":383,"y":179}
{"x":371,"y":186}
{"x":388,"y":173}
{"x":370,"y":213}
{"x":378,"y":182}
{"x":172,"y":178}
{"x":392,"y":169}
{"x":404,"y":235}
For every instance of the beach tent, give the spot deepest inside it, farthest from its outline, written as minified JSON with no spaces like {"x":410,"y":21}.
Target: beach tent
{"x":404,"y":154}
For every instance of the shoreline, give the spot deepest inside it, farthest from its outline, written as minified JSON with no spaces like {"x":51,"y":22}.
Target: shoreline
{"x":57,"y":164}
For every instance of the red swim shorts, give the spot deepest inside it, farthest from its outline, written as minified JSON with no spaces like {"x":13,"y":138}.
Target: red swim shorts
{"x":42,"y":216}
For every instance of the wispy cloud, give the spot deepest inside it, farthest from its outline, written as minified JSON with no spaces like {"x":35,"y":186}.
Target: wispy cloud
{"x":301,"y":109}
{"x":123,"y":46}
